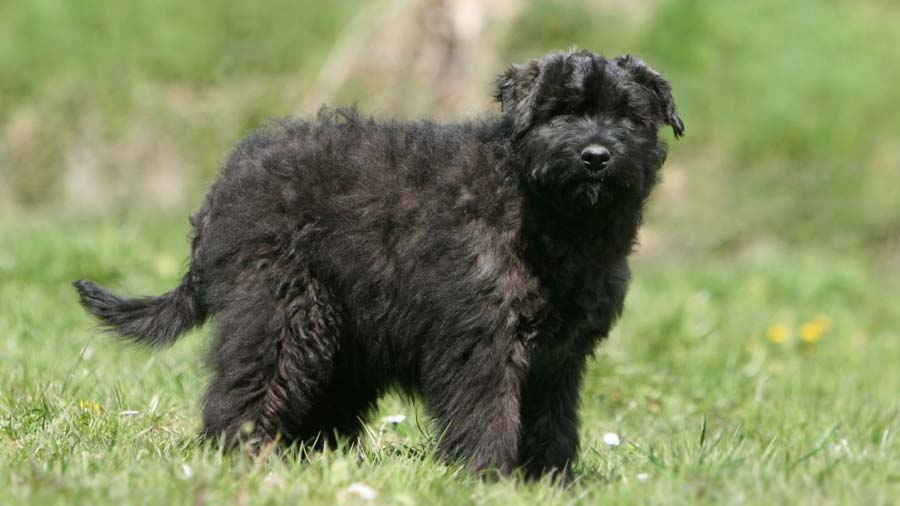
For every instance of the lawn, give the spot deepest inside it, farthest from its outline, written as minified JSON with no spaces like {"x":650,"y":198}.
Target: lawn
{"x":766,"y":377}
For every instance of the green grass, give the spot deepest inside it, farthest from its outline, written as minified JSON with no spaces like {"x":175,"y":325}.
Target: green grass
{"x":708,"y":409}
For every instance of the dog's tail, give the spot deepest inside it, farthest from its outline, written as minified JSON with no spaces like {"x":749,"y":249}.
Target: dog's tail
{"x":151,"y":321}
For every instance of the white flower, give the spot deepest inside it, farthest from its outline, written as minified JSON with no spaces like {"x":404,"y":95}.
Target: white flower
{"x":186,"y":470}
{"x":360,"y":490}
{"x":841,"y":448}
{"x":611,"y":439}
{"x":394,"y":419}
{"x":642,"y":476}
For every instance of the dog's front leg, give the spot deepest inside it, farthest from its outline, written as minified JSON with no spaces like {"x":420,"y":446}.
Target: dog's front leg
{"x":550,"y":416}
{"x":475,"y":394}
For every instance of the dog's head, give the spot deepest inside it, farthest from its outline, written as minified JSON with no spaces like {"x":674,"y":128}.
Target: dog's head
{"x":586,"y":127}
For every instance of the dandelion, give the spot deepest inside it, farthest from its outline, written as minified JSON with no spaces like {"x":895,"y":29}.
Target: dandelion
{"x":811,"y":332}
{"x":611,"y":439}
{"x":778,"y":333}
{"x":89,"y":407}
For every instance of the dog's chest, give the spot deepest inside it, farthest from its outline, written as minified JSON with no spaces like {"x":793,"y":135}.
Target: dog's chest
{"x":576,"y":305}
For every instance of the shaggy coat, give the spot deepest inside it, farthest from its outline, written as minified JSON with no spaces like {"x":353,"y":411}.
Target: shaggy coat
{"x":475,"y":264}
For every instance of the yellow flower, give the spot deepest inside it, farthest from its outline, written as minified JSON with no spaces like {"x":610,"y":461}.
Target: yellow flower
{"x":811,"y":332}
{"x":89,"y":407}
{"x":778,"y":333}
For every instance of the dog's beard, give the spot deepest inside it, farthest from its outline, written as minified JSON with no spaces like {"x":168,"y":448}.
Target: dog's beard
{"x":589,"y":193}
{"x":570,"y":188}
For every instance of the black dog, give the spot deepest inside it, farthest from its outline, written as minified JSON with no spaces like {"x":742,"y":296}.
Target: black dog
{"x":475,"y":264}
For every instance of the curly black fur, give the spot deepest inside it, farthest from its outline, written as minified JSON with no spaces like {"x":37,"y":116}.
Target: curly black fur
{"x":476,"y":264}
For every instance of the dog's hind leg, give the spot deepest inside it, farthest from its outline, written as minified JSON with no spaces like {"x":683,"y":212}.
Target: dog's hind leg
{"x":278,"y":335}
{"x":342,"y":406}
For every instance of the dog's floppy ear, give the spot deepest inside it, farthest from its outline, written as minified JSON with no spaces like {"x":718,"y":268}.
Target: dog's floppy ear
{"x":658,"y":86}
{"x":519,"y":88}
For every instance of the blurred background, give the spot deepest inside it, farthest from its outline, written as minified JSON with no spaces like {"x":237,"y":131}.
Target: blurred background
{"x":792,"y":108}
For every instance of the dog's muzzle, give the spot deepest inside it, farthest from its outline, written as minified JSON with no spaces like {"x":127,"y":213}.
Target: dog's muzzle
{"x":595,"y":157}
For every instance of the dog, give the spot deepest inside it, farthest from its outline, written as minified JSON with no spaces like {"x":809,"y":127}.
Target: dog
{"x":476,"y":265}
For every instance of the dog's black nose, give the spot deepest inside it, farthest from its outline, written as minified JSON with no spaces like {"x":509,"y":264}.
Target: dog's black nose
{"x":595,"y":157}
